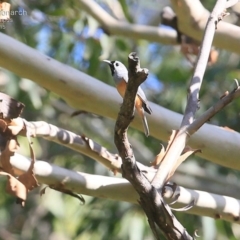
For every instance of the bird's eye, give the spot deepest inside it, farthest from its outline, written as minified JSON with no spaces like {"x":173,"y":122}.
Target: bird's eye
{"x":117,"y":64}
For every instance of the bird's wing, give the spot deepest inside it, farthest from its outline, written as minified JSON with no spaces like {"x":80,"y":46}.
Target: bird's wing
{"x":141,"y":94}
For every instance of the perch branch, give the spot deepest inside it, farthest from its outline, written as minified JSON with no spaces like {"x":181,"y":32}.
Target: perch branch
{"x":158,"y":212}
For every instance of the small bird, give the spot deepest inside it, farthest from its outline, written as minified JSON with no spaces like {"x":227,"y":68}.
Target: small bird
{"x":120,"y":76}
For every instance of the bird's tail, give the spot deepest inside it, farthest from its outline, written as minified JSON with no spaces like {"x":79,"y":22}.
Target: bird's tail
{"x":145,"y":125}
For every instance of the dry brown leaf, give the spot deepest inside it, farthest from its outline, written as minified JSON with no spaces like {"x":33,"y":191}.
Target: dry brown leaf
{"x":10,"y":108}
{"x":187,"y":153}
{"x":5,"y":134}
{"x":173,"y":135}
{"x":10,"y":126}
{"x":15,"y":188}
{"x":16,"y":126}
{"x":28,"y":178}
{"x":11,"y":147}
{"x":3,"y":125}
{"x":158,"y":159}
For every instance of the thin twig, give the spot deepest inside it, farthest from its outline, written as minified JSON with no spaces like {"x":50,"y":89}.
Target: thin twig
{"x":196,"y":82}
{"x":177,"y":145}
{"x":223,"y":101}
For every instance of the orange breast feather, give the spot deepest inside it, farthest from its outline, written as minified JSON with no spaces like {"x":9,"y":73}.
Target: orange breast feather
{"x":121,"y":87}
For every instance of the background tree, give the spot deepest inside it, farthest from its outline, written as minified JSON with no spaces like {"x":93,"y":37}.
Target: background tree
{"x":81,"y":34}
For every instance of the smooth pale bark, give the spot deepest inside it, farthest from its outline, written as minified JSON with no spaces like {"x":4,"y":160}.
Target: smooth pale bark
{"x":192,"y":18}
{"x":84,"y":92}
{"x":122,"y":28}
{"x":119,"y":189}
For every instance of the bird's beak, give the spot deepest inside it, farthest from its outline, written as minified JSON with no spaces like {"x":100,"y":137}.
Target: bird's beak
{"x":107,"y":61}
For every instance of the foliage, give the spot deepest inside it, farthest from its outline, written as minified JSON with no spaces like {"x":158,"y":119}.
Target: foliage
{"x":60,"y":30}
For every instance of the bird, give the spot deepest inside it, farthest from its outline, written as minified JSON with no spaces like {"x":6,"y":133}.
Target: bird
{"x":120,"y":76}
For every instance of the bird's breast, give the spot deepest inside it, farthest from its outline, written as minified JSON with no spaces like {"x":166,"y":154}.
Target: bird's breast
{"x":121,"y":87}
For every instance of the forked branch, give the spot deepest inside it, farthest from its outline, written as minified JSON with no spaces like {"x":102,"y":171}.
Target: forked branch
{"x":170,"y":160}
{"x":158,"y":212}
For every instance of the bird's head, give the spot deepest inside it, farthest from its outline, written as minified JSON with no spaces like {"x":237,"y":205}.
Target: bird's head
{"x":118,"y":69}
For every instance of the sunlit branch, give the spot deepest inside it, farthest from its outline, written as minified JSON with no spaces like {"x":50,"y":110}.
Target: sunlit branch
{"x":207,"y":204}
{"x":70,"y":83}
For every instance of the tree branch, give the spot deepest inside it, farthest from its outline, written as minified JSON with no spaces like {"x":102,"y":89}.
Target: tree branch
{"x":231,"y":3}
{"x":157,"y":211}
{"x":170,"y":160}
{"x":70,"y":83}
{"x":114,"y":27}
{"x":223,"y":101}
{"x":112,"y":161}
{"x":81,"y":144}
{"x":118,"y":189}
{"x":192,"y":18}
{"x":202,"y":60}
